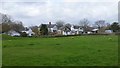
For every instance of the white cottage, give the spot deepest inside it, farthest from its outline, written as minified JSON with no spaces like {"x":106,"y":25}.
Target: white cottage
{"x":65,"y":30}
{"x":108,"y":31}
{"x":13,"y":33}
{"x":76,"y":30}
{"x":52,"y":27}
{"x":29,"y":32}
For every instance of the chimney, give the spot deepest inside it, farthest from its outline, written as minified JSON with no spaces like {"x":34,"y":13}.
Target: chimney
{"x":49,"y":23}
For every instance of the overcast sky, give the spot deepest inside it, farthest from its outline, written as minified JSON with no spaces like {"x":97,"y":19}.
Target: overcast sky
{"x":35,"y":12}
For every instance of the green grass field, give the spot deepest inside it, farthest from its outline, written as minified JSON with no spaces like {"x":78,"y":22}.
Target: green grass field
{"x":0,"y":50}
{"x":62,"y":51}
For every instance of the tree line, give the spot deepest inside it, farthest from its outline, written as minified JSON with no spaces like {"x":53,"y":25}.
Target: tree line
{"x":8,"y":24}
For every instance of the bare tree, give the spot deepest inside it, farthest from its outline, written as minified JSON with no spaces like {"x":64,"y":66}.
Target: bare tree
{"x":9,"y":24}
{"x":84,"y":23}
{"x":60,"y":23}
{"x":17,"y":26}
{"x":108,"y":26}
{"x":35,"y":29}
{"x":68,"y":25}
{"x":100,"y":23}
{"x":0,"y":28}
{"x":5,"y":27}
{"x":5,"y":18}
{"x":0,"y":18}
{"x":5,"y":21}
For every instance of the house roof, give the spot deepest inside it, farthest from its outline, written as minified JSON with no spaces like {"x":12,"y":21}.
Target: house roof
{"x":28,"y":31}
{"x":94,"y":29}
{"x":77,"y":27}
{"x":65,"y":28}
{"x":50,"y":25}
{"x":88,"y":28}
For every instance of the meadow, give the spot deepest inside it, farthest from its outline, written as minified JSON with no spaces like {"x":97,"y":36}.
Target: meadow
{"x":61,"y":51}
{"x":0,"y":50}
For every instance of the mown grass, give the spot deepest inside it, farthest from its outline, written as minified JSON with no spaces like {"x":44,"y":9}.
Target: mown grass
{"x":62,"y":51}
{"x":0,"y":50}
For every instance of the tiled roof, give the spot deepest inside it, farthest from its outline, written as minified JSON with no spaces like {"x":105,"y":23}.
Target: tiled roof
{"x":50,"y":25}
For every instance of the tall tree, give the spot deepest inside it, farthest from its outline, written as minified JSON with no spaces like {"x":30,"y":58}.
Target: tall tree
{"x":35,"y":29}
{"x":17,"y":26}
{"x":115,"y":27}
{"x":84,"y":23}
{"x":108,"y":25}
{"x":44,"y":29}
{"x":60,"y":23}
{"x":68,"y":25}
{"x":6,"y":22}
{"x":5,"y":18}
{"x":5,"y":27}
{"x":9,"y":24}
{"x":100,"y":23}
{"x":1,"y":28}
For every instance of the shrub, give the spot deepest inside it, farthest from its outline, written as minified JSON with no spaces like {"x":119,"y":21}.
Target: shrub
{"x":23,"y":34}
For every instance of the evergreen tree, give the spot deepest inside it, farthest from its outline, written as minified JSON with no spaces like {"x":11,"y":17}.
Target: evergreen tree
{"x":43,"y":29}
{"x":115,"y":27}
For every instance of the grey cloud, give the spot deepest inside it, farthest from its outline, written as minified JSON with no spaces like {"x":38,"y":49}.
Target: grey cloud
{"x":44,"y":11}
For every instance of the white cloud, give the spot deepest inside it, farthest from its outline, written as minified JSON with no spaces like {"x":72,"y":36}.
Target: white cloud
{"x":34,"y":12}
{"x":23,"y":0}
{"x":90,"y":0}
